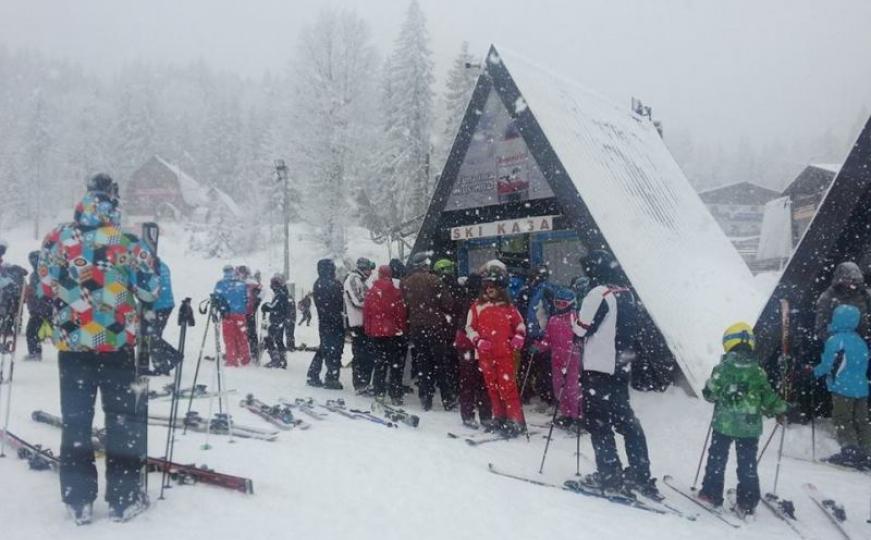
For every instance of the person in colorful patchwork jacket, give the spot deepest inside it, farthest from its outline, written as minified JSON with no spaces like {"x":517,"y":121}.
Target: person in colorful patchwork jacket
{"x":741,"y":393}
{"x":95,"y":275}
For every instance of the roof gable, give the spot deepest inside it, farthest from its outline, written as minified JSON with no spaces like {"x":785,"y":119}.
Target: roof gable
{"x":838,"y":232}
{"x":609,"y":167}
{"x":746,"y":193}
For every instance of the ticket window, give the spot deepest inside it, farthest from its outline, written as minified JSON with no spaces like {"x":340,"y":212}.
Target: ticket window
{"x":511,"y":250}
{"x":561,"y":251}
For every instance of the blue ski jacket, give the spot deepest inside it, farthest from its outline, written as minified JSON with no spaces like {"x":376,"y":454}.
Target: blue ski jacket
{"x":844,"y":361}
{"x":234,"y":294}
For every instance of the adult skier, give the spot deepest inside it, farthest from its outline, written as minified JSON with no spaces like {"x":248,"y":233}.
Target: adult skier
{"x":231,"y":294}
{"x":327,"y":292}
{"x":11,"y":282}
{"x":496,"y":329}
{"x":607,"y":323}
{"x":384,"y":317}
{"x":355,"y":288}
{"x":290,"y":322}
{"x":844,"y":365}
{"x":165,"y":302}
{"x":431,"y":331}
{"x":741,"y":393}
{"x":277,"y":310}
{"x":473,"y":391}
{"x":93,"y":273}
{"x":305,"y":309}
{"x":38,"y":308}
{"x":253,"y":292}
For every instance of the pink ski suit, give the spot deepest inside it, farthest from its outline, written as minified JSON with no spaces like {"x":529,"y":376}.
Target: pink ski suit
{"x":565,"y":357}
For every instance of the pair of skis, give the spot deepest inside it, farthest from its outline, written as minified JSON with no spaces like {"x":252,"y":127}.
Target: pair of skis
{"x":477,"y":439}
{"x":305,"y":406}
{"x":219,"y":425}
{"x":279,"y":416}
{"x":39,"y":458}
{"x":395,"y":414}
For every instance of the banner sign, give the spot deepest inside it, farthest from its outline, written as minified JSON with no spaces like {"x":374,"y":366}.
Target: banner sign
{"x":503,"y":228}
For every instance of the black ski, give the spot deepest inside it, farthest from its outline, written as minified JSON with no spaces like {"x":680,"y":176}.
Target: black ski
{"x":477,"y":439}
{"x":574,"y":487}
{"x":278,"y":415}
{"x":38,"y":458}
{"x":784,"y":510}
{"x":669,"y":481}
{"x":833,"y":511}
{"x":395,"y":414}
{"x":305,"y":406}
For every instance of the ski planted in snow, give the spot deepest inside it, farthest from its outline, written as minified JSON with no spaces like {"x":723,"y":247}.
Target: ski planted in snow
{"x":278,"y":415}
{"x":714,"y":511}
{"x":833,"y":511}
{"x":395,"y":414}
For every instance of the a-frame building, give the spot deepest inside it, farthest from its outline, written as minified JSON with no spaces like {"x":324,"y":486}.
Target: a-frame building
{"x":543,"y":170}
{"x":840,"y":231}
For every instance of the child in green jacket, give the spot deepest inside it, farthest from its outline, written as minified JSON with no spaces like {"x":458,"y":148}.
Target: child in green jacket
{"x":740,"y":391}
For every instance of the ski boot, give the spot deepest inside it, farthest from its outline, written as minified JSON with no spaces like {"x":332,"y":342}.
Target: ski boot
{"x":511,"y":429}
{"x":471,"y":423}
{"x":314,"y":382}
{"x":426,"y":403}
{"x":613,"y":488}
{"x":646,"y":486}
{"x":397,"y":401}
{"x":333,"y":385}
{"x":120,"y":514}
{"x":81,"y":514}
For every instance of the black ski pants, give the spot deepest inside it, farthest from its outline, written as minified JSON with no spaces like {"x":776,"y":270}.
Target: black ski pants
{"x":251,"y":332}
{"x":437,"y":366}
{"x":715,"y":470}
{"x":473,"y":393}
{"x":607,"y":409}
{"x":306,"y":318}
{"x":364,"y":358}
{"x":274,"y":343}
{"x":329,"y":353}
{"x":34,"y":346}
{"x":389,"y":362}
{"x":81,"y":375}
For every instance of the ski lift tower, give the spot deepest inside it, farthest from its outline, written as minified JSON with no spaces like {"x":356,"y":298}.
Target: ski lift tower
{"x":281,"y":174}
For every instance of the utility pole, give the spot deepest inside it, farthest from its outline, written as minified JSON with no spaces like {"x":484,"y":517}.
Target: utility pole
{"x":281,"y":173}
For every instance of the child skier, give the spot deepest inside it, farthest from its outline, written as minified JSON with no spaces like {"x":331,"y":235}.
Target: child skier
{"x":740,"y":391}
{"x":277,"y":309}
{"x":844,"y":364}
{"x":496,"y":329}
{"x":565,"y":357}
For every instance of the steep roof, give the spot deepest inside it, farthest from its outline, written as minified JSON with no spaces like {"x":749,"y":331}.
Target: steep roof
{"x":746,"y":193}
{"x":815,"y":178}
{"x":838,"y":232}
{"x":609,"y":166}
{"x":192,"y":192}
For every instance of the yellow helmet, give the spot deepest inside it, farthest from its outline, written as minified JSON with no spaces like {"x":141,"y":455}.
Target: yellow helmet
{"x":737,"y":334}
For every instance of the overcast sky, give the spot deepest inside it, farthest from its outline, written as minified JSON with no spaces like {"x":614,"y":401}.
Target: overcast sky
{"x":719,"y":69}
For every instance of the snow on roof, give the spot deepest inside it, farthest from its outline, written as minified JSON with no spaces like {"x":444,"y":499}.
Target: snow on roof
{"x":689,"y":276}
{"x":191,"y":191}
{"x":831,"y":167}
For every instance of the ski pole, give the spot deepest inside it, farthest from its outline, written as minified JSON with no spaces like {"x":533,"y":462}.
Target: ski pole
{"x":552,"y":423}
{"x":526,"y":375}
{"x":16,"y":328}
{"x":779,"y":458}
{"x":702,"y":455}
{"x":185,"y":319}
{"x":767,"y":442}
{"x":578,"y":448}
{"x":813,"y":419}
{"x":204,"y":309}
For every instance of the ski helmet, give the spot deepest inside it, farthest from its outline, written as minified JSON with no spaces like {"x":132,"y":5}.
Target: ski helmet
{"x":278,"y":280}
{"x":444,"y":266}
{"x":563,"y":298}
{"x":738,"y":334}
{"x":421,"y":260}
{"x":365,"y":265}
{"x":495,"y":275}
{"x":243,"y":271}
{"x":601,"y":267}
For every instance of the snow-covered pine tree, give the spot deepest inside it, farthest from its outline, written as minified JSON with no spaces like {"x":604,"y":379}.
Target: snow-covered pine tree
{"x":133,"y":133}
{"x":458,"y":89}
{"x":332,"y":119}
{"x":405,"y":158}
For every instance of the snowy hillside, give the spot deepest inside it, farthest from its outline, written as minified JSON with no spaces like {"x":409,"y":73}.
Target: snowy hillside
{"x":355,"y":479}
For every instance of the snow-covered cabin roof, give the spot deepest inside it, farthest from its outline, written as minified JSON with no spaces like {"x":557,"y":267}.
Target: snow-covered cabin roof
{"x":617,"y":184}
{"x":192,"y":192}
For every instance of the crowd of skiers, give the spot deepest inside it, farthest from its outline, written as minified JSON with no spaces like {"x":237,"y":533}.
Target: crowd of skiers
{"x":484,"y":342}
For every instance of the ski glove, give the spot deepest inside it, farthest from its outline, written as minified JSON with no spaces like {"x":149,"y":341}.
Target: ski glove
{"x":517,"y":342}
{"x":484,"y":345}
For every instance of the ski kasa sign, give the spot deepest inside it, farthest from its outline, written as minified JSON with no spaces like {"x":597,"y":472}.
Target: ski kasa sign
{"x":503,"y":228}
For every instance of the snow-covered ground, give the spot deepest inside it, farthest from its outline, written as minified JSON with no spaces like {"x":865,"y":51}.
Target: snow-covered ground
{"x":356,"y":479}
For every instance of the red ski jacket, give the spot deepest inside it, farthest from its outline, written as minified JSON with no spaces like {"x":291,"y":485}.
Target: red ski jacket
{"x":384,"y":313}
{"x":496,"y":323}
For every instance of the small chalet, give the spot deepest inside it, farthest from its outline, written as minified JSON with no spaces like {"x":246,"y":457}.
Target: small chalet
{"x":738,"y":208}
{"x":543,"y":171}
{"x":160,"y":189}
{"x":806,"y":193}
